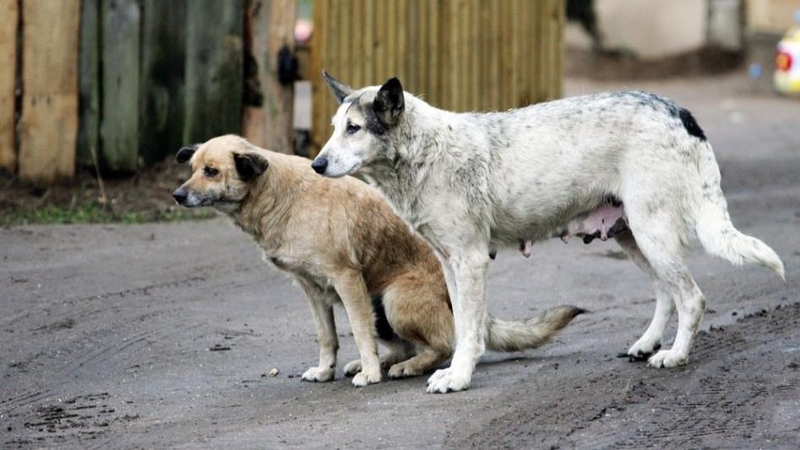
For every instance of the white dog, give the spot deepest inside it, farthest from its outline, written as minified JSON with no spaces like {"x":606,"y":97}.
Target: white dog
{"x":629,"y":165}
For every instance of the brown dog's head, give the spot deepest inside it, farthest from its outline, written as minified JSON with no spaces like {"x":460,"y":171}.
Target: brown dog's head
{"x":222,"y":172}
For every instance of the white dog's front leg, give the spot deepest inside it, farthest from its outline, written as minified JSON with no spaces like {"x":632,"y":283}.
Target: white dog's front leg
{"x":467,"y":274}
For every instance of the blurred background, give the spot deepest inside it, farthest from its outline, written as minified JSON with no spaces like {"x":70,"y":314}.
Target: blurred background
{"x":96,"y":96}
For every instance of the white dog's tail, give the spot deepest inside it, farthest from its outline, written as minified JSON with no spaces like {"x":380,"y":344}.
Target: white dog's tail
{"x":714,"y":227}
{"x":518,"y":335}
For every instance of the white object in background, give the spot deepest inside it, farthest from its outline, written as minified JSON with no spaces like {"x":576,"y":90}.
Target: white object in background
{"x":787,"y":61}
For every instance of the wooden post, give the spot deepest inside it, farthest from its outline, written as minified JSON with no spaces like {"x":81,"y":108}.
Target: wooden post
{"x":89,"y":75}
{"x":49,"y":123}
{"x":213,"y":69}
{"x":163,"y":90}
{"x":119,"y":127}
{"x":319,"y":91}
{"x":9,"y":16}
{"x":271,"y":26}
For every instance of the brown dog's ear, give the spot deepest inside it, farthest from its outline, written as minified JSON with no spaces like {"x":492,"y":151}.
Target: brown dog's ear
{"x":185,"y":153}
{"x":339,"y":90}
{"x":249,"y":165}
{"x":390,"y":103}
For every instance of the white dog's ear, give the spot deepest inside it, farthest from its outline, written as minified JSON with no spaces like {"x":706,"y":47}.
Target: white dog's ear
{"x":339,"y":90}
{"x":185,"y":153}
{"x":249,"y":165}
{"x":389,"y":103}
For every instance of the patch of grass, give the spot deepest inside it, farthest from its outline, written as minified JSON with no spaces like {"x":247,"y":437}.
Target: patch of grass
{"x":93,"y":212}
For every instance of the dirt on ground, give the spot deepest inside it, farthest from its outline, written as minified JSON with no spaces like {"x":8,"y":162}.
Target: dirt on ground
{"x":167,"y":334}
{"x":92,"y":197}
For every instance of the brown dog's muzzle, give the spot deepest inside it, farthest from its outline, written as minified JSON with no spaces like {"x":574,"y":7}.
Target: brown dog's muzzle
{"x":180,"y":195}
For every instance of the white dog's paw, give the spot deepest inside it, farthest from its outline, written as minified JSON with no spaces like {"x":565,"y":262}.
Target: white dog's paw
{"x":667,"y":359}
{"x":642,"y":349}
{"x":447,"y":380}
{"x":319,"y":374}
{"x":403,"y":370}
{"x":352,"y":368}
{"x":362,"y":379}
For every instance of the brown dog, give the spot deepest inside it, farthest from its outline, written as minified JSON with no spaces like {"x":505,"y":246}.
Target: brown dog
{"x":342,"y":242}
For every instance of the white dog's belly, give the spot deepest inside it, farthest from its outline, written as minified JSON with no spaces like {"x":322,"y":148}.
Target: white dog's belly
{"x":603,"y":222}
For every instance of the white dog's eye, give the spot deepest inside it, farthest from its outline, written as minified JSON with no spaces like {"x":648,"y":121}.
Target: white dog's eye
{"x":352,"y":128}
{"x":210,"y":172}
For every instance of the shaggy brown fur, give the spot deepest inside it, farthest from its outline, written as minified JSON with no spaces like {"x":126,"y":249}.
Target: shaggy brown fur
{"x":342,"y":242}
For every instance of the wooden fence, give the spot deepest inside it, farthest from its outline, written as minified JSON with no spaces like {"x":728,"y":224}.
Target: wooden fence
{"x":121,"y":83}
{"x":460,"y":55}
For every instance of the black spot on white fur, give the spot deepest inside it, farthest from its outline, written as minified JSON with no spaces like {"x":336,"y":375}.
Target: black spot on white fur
{"x":690,"y":124}
{"x":666,"y":105}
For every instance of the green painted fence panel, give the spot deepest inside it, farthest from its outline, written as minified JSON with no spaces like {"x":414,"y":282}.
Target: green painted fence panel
{"x":214,"y":68}
{"x":89,"y":79}
{"x":163,"y":70}
{"x":120,"y":77}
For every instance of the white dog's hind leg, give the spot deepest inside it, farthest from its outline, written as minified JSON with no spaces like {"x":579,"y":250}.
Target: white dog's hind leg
{"x":659,"y":233}
{"x":651,"y":339}
{"x":469,"y":311}
{"x":691,"y":306}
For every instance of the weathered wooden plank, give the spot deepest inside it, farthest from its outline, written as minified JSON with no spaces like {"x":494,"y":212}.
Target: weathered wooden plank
{"x":89,"y":84}
{"x":49,"y":123}
{"x":399,"y":68}
{"x":346,"y":69}
{"x":439,"y":48}
{"x":418,"y":44}
{"x":488,"y":66}
{"x":271,"y":27}
{"x":319,"y":91}
{"x":476,"y":75}
{"x":9,"y":16}
{"x":214,"y":68}
{"x":368,"y":43}
{"x":163,"y":79}
{"x":531,"y":82}
{"x":389,"y":31}
{"x":120,"y":75}
{"x":557,"y":67}
{"x":506,"y":58}
{"x":356,"y":22}
{"x":453,"y":56}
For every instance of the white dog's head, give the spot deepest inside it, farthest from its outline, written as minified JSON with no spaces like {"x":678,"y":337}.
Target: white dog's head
{"x":363,"y":126}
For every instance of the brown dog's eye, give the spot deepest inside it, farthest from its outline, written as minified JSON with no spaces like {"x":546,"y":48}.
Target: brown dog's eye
{"x":210,"y":172}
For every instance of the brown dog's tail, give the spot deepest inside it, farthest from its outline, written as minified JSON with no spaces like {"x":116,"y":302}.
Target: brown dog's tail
{"x":518,"y":335}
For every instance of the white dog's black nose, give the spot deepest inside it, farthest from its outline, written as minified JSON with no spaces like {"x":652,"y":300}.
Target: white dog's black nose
{"x":180,"y":195}
{"x":320,"y":164}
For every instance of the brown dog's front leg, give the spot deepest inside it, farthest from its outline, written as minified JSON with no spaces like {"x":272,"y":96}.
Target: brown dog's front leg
{"x":350,"y":286}
{"x":321,"y":305}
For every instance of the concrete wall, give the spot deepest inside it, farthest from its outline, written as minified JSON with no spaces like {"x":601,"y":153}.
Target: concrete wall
{"x":652,"y":28}
{"x":771,"y":16}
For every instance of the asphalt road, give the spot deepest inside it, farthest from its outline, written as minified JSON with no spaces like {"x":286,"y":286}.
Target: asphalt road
{"x":163,"y":335}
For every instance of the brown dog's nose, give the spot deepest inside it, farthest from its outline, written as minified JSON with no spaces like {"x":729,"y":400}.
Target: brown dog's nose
{"x":180,"y":195}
